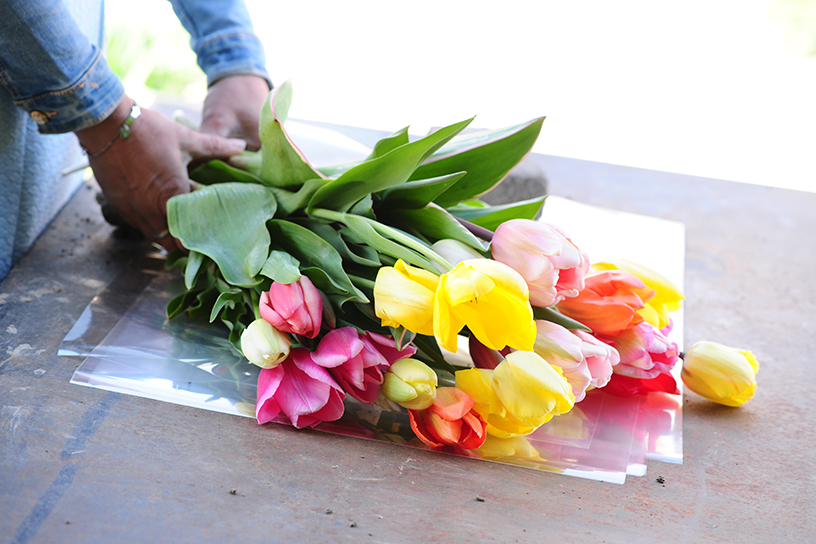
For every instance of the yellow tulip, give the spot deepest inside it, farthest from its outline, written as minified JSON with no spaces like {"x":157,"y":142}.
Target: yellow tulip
{"x":410,"y":383}
{"x":522,"y":393}
{"x":490,"y":298}
{"x":720,"y":373}
{"x":404,"y":296}
{"x":667,"y":298}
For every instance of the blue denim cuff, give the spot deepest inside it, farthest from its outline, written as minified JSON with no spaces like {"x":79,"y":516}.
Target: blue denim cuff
{"x":232,"y":54}
{"x":86,"y":102}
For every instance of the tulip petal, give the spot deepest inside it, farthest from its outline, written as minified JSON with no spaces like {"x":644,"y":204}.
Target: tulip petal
{"x":451,"y":403}
{"x":401,"y":300}
{"x":337,"y":347}
{"x":266,"y":407}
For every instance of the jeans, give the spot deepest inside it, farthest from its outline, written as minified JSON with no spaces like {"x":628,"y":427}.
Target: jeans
{"x":54,"y":80}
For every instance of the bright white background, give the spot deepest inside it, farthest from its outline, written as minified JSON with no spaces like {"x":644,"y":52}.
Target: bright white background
{"x":704,"y":87}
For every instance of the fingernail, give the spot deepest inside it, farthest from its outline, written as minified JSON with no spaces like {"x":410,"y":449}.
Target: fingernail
{"x":237,"y":144}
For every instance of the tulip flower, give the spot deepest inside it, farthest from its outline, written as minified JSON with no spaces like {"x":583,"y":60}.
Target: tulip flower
{"x":609,"y":302}
{"x":519,"y":395}
{"x":559,"y":347}
{"x":293,"y":307}
{"x":720,"y":373}
{"x":600,"y":357}
{"x":449,"y":421}
{"x":264,"y":345}
{"x":491,"y":299}
{"x":300,"y":389}
{"x":667,"y":297}
{"x":644,"y":352}
{"x":357,"y":361}
{"x":410,"y":383}
{"x":404,"y":296}
{"x":549,"y":262}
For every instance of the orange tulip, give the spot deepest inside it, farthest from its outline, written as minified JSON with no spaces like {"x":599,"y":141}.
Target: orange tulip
{"x":449,"y":421}
{"x":609,"y":303}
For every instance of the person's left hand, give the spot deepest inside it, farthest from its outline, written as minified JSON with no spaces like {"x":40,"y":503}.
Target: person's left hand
{"x":232,"y":108}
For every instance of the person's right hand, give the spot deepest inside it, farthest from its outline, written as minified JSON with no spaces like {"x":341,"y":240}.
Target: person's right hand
{"x":138,"y":175}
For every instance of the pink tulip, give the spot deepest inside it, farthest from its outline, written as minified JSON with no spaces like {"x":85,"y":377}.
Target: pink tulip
{"x":644,"y":351}
{"x":301,"y":389}
{"x":600,"y":358}
{"x":549,"y":262}
{"x":293,"y":307}
{"x":559,"y":347}
{"x":357,"y":361}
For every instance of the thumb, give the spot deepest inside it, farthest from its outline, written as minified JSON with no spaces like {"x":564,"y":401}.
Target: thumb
{"x":204,"y":146}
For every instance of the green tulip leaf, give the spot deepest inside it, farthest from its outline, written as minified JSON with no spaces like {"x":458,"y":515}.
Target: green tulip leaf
{"x":318,"y":259}
{"x":227,"y":298}
{"x":490,"y":217}
{"x":282,"y":163}
{"x":486,"y":157}
{"x":281,"y":267}
{"x":194,"y":261}
{"x":389,"y":143}
{"x":389,"y":170}
{"x":227,"y":223}
{"x":419,"y":193}
{"x":437,"y":224}
{"x":371,"y":233}
{"x":290,"y":202}
{"x":554,"y":316}
{"x":249,"y":161}
{"x":217,"y":171}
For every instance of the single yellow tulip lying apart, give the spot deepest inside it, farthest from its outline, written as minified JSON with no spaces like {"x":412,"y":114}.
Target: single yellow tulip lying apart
{"x":720,"y":373}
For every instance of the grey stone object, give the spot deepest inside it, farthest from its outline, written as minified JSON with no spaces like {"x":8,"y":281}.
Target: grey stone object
{"x":525,"y":181}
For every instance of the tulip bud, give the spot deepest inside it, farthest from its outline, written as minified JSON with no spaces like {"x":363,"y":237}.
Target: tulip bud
{"x":264,"y":345}
{"x":411,"y":384}
{"x":295,"y":307}
{"x":720,"y":373}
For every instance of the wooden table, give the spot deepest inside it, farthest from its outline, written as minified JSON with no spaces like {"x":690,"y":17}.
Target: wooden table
{"x":85,"y":465}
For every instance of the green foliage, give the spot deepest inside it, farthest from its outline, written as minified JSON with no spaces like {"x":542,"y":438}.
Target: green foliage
{"x":272,"y":216}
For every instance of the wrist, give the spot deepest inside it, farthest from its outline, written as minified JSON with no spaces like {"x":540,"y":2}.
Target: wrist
{"x":94,"y":139}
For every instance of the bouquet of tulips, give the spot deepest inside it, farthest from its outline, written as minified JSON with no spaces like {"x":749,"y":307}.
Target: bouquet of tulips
{"x":364,"y":280}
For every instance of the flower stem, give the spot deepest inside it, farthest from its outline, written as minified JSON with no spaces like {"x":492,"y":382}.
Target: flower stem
{"x":361,"y":282}
{"x":389,"y":232}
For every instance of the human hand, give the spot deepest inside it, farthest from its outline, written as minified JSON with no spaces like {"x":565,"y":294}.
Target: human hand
{"x":232,"y":108}
{"x":138,"y":175}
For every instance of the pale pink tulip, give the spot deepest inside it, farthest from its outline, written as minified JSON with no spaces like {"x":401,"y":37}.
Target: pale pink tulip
{"x":644,"y":351}
{"x":295,"y":307}
{"x":301,"y":389}
{"x":549,"y":262}
{"x":559,"y":347}
{"x":600,"y":358}
{"x":357,"y":361}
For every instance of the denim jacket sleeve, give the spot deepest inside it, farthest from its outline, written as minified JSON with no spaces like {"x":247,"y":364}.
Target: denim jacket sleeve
{"x":51,"y":68}
{"x":55,"y":73}
{"x":222,"y":37}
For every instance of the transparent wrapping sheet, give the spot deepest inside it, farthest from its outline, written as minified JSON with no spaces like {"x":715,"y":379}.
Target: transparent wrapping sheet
{"x":131,"y":347}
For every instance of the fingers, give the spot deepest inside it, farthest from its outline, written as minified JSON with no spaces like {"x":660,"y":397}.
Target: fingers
{"x":210,"y":146}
